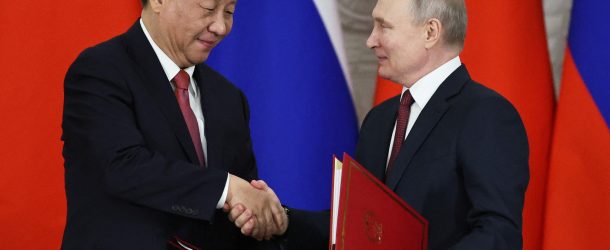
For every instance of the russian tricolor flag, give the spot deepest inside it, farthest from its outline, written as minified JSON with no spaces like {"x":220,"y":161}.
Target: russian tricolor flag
{"x":578,"y":199}
{"x":287,"y":56}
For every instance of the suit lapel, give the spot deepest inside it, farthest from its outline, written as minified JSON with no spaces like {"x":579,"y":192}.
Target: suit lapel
{"x":426,"y":121}
{"x":210,"y":108}
{"x":159,"y":88}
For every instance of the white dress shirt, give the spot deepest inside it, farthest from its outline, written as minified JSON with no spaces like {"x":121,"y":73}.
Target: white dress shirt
{"x":171,"y":70}
{"x":422,"y":91}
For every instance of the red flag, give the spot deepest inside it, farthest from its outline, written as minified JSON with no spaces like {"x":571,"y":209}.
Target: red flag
{"x":578,"y":200}
{"x":385,"y":90}
{"x":506,"y":50}
{"x":39,"y":41}
{"x":578,"y":203}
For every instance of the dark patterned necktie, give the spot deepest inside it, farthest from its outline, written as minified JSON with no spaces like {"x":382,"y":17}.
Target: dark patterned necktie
{"x":401,"y":128}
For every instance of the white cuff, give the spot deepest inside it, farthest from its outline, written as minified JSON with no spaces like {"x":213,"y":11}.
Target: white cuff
{"x":223,"y":197}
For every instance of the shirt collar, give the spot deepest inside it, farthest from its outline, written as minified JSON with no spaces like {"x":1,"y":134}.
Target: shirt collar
{"x":169,"y":67}
{"x":425,"y":87}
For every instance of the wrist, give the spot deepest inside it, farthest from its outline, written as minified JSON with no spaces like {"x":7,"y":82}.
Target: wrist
{"x":286,"y":211}
{"x":231,"y":189}
{"x":283,"y":231}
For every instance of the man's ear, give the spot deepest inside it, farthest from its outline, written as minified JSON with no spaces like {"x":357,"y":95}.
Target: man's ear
{"x":156,"y":5}
{"x":433,"y":28}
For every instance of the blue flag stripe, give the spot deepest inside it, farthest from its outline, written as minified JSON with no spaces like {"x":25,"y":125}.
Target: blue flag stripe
{"x":588,"y":40}
{"x":301,"y":111}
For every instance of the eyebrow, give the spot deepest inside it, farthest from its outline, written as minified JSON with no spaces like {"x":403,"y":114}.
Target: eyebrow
{"x":379,"y":19}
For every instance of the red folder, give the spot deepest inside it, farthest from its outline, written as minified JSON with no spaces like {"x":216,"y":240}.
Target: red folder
{"x":370,"y":216}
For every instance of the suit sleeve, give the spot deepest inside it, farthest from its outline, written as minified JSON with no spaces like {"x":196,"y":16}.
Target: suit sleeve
{"x":102,"y":141}
{"x":493,"y":152}
{"x":308,"y":230}
{"x":252,"y":173}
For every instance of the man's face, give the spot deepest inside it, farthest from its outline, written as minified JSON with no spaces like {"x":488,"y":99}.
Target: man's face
{"x":189,"y":29}
{"x":398,"y":44}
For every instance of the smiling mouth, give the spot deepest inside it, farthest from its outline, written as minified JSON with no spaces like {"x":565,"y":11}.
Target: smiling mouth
{"x":207,"y":44}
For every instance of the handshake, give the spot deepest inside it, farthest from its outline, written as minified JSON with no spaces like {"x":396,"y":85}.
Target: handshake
{"x":255,"y":209}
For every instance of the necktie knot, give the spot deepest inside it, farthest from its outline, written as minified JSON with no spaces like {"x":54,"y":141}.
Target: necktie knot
{"x":182,"y":80}
{"x":407,"y":99}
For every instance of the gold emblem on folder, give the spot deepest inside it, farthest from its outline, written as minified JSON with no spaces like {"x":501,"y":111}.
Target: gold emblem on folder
{"x":372,"y":227}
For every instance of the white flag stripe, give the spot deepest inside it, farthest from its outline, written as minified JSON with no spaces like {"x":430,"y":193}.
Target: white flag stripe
{"x":330,"y":18}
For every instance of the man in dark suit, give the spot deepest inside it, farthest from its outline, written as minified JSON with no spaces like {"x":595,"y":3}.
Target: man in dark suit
{"x":453,"y":149}
{"x":155,"y":141}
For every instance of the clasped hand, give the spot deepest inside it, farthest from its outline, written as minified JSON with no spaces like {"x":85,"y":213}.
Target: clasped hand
{"x":255,"y":209}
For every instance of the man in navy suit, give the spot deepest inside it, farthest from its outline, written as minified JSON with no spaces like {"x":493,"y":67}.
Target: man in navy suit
{"x":156,"y":142}
{"x":453,"y":149}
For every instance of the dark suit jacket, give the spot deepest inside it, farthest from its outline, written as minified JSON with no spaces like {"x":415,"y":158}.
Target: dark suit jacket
{"x":131,"y":172}
{"x":463,"y":166}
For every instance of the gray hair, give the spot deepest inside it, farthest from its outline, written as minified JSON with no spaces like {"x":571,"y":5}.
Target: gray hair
{"x":451,"y":13}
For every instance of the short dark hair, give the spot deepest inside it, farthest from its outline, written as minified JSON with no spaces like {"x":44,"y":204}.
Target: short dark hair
{"x":144,"y":2}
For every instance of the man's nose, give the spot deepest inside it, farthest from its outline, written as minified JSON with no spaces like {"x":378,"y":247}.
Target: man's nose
{"x":371,"y":42}
{"x":218,"y":25}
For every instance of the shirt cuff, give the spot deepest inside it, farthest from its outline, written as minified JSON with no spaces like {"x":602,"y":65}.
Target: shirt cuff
{"x":223,"y":197}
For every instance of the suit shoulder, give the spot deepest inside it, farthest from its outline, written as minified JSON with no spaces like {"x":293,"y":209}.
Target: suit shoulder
{"x":107,"y":64}
{"x":480,"y":106}
{"x":476,"y":95}
{"x":381,"y":112}
{"x":385,"y":105}
{"x":102,"y":56}
{"x":220,"y":81}
{"x":389,"y":102}
{"x":210,"y":73}
{"x":107,"y":50}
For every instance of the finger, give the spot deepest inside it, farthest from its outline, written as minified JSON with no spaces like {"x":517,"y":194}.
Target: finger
{"x":259,"y":185}
{"x":263,"y":183}
{"x":256,"y":232}
{"x":262,"y":228}
{"x":243,"y":218}
{"x":270,"y":225}
{"x":236,"y":212}
{"x":276,"y":212}
{"x":279,"y":218}
{"x":248,"y":227}
{"x":272,"y":193}
{"x":272,"y":228}
{"x":226,"y":207}
{"x":285,"y":223}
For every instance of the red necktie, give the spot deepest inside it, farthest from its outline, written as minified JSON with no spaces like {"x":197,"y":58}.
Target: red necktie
{"x":401,"y":127}
{"x":182,"y":81}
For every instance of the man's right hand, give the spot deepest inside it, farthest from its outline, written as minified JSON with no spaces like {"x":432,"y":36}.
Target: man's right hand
{"x":281,"y":221}
{"x":261,"y":205}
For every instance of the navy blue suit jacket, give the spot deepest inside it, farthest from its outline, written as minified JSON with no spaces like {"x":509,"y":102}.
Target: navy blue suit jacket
{"x":463,"y":166}
{"x":131,"y":173}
